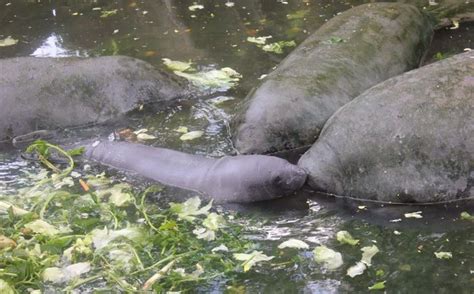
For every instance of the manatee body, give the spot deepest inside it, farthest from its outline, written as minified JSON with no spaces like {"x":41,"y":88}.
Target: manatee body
{"x":408,"y":139}
{"x":350,"y":53}
{"x":47,"y":93}
{"x":244,"y":178}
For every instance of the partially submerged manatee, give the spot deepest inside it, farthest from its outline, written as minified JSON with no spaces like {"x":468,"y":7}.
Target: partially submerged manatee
{"x":408,"y":139}
{"x":47,"y":93}
{"x":350,"y":53}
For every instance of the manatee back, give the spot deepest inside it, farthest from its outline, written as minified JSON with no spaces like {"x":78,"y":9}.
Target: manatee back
{"x":47,"y":93}
{"x":408,"y":139}
{"x":349,"y":54}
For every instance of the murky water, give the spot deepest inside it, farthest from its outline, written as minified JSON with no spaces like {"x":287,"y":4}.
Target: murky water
{"x":216,"y":37}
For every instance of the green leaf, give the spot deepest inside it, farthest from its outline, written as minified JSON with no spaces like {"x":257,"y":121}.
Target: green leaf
{"x":378,"y":286}
{"x":42,"y":227}
{"x":258,"y":40}
{"x":214,"y":221}
{"x":328,"y":257}
{"x":344,"y":237}
{"x":191,"y":135}
{"x":5,"y":207}
{"x":117,"y":195}
{"x":5,"y":288}
{"x":179,"y":66}
{"x":76,"y":152}
{"x":61,"y":275}
{"x":357,"y":269}
{"x":466,"y":216}
{"x":102,"y":238}
{"x":278,"y":47}
{"x":107,"y":13}
{"x":8,"y":41}
{"x":293,"y":243}
{"x":251,"y":259}
{"x":215,"y":79}
{"x":443,"y":255}
{"x":416,"y":214}
{"x":367,"y":253}
{"x":189,"y":209}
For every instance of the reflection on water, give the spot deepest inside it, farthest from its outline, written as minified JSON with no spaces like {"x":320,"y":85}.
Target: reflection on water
{"x":216,"y":36}
{"x":53,"y":47}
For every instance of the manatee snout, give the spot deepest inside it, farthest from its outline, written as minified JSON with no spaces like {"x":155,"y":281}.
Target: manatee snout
{"x":290,"y":178}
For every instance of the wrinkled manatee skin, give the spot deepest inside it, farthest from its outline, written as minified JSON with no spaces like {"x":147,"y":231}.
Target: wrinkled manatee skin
{"x":47,"y":93}
{"x":408,"y":139}
{"x":293,"y":102}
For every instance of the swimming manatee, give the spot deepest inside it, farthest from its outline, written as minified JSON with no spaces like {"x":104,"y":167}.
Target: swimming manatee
{"x":243,"y":178}
{"x":50,"y":93}
{"x":408,"y":139}
{"x":350,"y":53}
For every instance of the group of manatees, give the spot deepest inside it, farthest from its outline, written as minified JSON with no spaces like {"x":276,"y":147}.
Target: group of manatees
{"x":380,"y":128}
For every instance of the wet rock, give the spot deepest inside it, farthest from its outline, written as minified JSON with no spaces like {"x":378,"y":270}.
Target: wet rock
{"x":408,"y":139}
{"x":350,"y":53}
{"x":47,"y":93}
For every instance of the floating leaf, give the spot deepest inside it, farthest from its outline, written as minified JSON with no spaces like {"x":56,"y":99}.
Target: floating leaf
{"x":182,"y":129}
{"x":367,"y":253}
{"x":5,"y":288}
{"x":215,"y":79}
{"x":344,"y":237}
{"x":117,"y":195}
{"x":196,"y":7}
{"x":293,"y":243}
{"x":258,"y":40}
{"x":41,"y":227}
{"x":378,"y":286}
{"x":102,"y":238}
{"x":328,"y":257}
{"x":221,"y":248}
{"x":466,"y":216}
{"x":189,"y":209}
{"x":214,"y":221}
{"x":107,"y":13}
{"x":5,"y":207}
{"x":251,"y":259}
{"x":297,"y":15}
{"x":177,"y":65}
{"x":278,"y":46}
{"x":191,"y":135}
{"x":416,"y":214}
{"x":8,"y":41}
{"x":204,"y":234}
{"x":357,"y":269}
{"x":443,"y":255}
{"x":60,"y":275}
{"x":145,"y":137}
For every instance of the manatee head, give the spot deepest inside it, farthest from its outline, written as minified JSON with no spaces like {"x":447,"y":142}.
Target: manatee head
{"x":250,"y":178}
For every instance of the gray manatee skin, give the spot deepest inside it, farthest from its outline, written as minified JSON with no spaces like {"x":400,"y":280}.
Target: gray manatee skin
{"x":47,"y":93}
{"x":243,"y":178}
{"x":408,"y":139}
{"x":289,"y":108}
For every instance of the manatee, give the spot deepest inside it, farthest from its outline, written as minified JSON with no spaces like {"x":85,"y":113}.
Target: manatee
{"x":47,"y":93}
{"x":350,"y":53}
{"x":408,"y":139}
{"x":243,"y":178}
